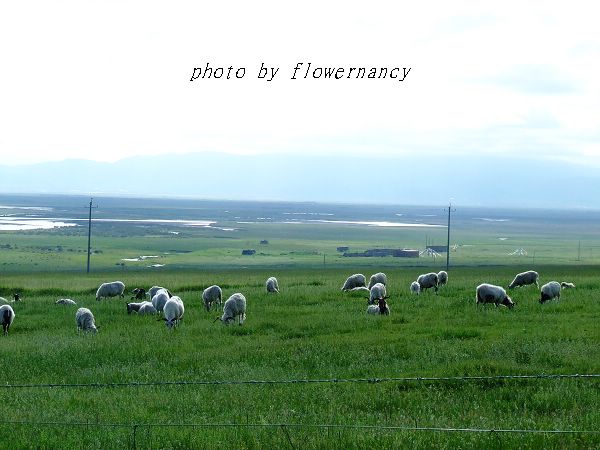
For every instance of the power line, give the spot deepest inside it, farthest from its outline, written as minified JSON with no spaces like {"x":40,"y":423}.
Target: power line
{"x":299,"y":381}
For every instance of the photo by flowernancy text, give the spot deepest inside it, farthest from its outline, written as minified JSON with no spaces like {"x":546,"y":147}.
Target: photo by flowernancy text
{"x":302,"y":71}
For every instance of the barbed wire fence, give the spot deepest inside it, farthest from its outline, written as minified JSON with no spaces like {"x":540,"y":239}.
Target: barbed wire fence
{"x":135,"y":427}
{"x":299,"y":381}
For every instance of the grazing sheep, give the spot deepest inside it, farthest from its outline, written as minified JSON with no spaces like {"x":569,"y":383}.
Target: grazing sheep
{"x":65,"y":301}
{"x":16,"y":298}
{"x":428,"y":280}
{"x":85,"y":321}
{"x":154,"y":289}
{"x":566,"y":285}
{"x":489,"y":293}
{"x":173,"y":311}
{"x":415,"y":288}
{"x":381,"y":308}
{"x":524,"y":279}
{"x":235,"y":306}
{"x":110,"y":290}
{"x":140,"y":293}
{"x":212,"y":294}
{"x":272,"y":285}
{"x":134,"y":307}
{"x":146,"y":308}
{"x":160,"y":298}
{"x":353,"y":281}
{"x":360,"y":288}
{"x":379,"y":277}
{"x":7,"y":315}
{"x":377,"y":292}
{"x":373,"y":309}
{"x":442,"y":278}
{"x":549,"y":291}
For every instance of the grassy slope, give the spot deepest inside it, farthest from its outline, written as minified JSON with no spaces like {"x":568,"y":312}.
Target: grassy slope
{"x":311,"y":330}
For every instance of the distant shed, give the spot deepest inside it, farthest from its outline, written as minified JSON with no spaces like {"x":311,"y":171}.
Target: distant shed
{"x":380,"y":252}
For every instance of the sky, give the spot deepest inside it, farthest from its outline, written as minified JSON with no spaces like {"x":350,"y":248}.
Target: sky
{"x":109,"y":80}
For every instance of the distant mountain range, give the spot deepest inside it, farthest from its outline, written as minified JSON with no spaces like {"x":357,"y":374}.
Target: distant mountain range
{"x":486,"y":181}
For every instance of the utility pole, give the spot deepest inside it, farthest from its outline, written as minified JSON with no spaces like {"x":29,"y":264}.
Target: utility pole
{"x":579,"y":252}
{"x":448,"y":248}
{"x":89,"y":251}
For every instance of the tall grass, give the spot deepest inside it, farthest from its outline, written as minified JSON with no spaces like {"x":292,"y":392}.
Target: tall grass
{"x":311,"y":330}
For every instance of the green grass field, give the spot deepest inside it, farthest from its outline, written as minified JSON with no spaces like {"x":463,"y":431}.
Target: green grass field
{"x":311,"y":330}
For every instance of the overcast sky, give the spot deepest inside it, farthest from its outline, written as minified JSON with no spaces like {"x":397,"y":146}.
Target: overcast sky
{"x":106,"y":80}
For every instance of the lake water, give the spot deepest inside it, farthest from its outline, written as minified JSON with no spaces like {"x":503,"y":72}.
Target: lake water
{"x":23,"y":213}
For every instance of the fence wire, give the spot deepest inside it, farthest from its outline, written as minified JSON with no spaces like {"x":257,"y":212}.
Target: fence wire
{"x":398,"y":428}
{"x":298,"y":381}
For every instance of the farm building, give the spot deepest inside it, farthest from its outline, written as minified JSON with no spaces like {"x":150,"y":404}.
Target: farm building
{"x":397,"y":253}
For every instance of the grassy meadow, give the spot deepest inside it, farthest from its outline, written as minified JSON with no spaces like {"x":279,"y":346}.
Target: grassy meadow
{"x":310,"y":331}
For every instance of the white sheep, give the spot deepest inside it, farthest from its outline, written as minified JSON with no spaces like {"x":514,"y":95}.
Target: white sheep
{"x":428,"y":280}
{"x":566,"y":285}
{"x":272,"y":286}
{"x":235,"y":306}
{"x":146,"y":308}
{"x":381,"y":308}
{"x":113,"y":289}
{"x":378,"y":277}
{"x":442,"y":278}
{"x":16,"y":298}
{"x":378,"y":292}
{"x":415,"y":288}
{"x":212,"y":294}
{"x":550,"y":291}
{"x":360,"y":288}
{"x":154,"y":289}
{"x":85,"y":321}
{"x":160,"y":298}
{"x":524,"y":279}
{"x":65,"y":301}
{"x":353,"y":281}
{"x":173,"y":311}
{"x":489,"y":293}
{"x":7,"y":315}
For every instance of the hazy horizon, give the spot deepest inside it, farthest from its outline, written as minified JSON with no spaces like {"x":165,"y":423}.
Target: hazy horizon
{"x":493,"y":182}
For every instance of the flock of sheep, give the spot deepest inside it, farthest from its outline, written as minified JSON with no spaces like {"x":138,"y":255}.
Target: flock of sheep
{"x":485,"y":292}
{"x":172,"y":308}
{"x":162,"y":301}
